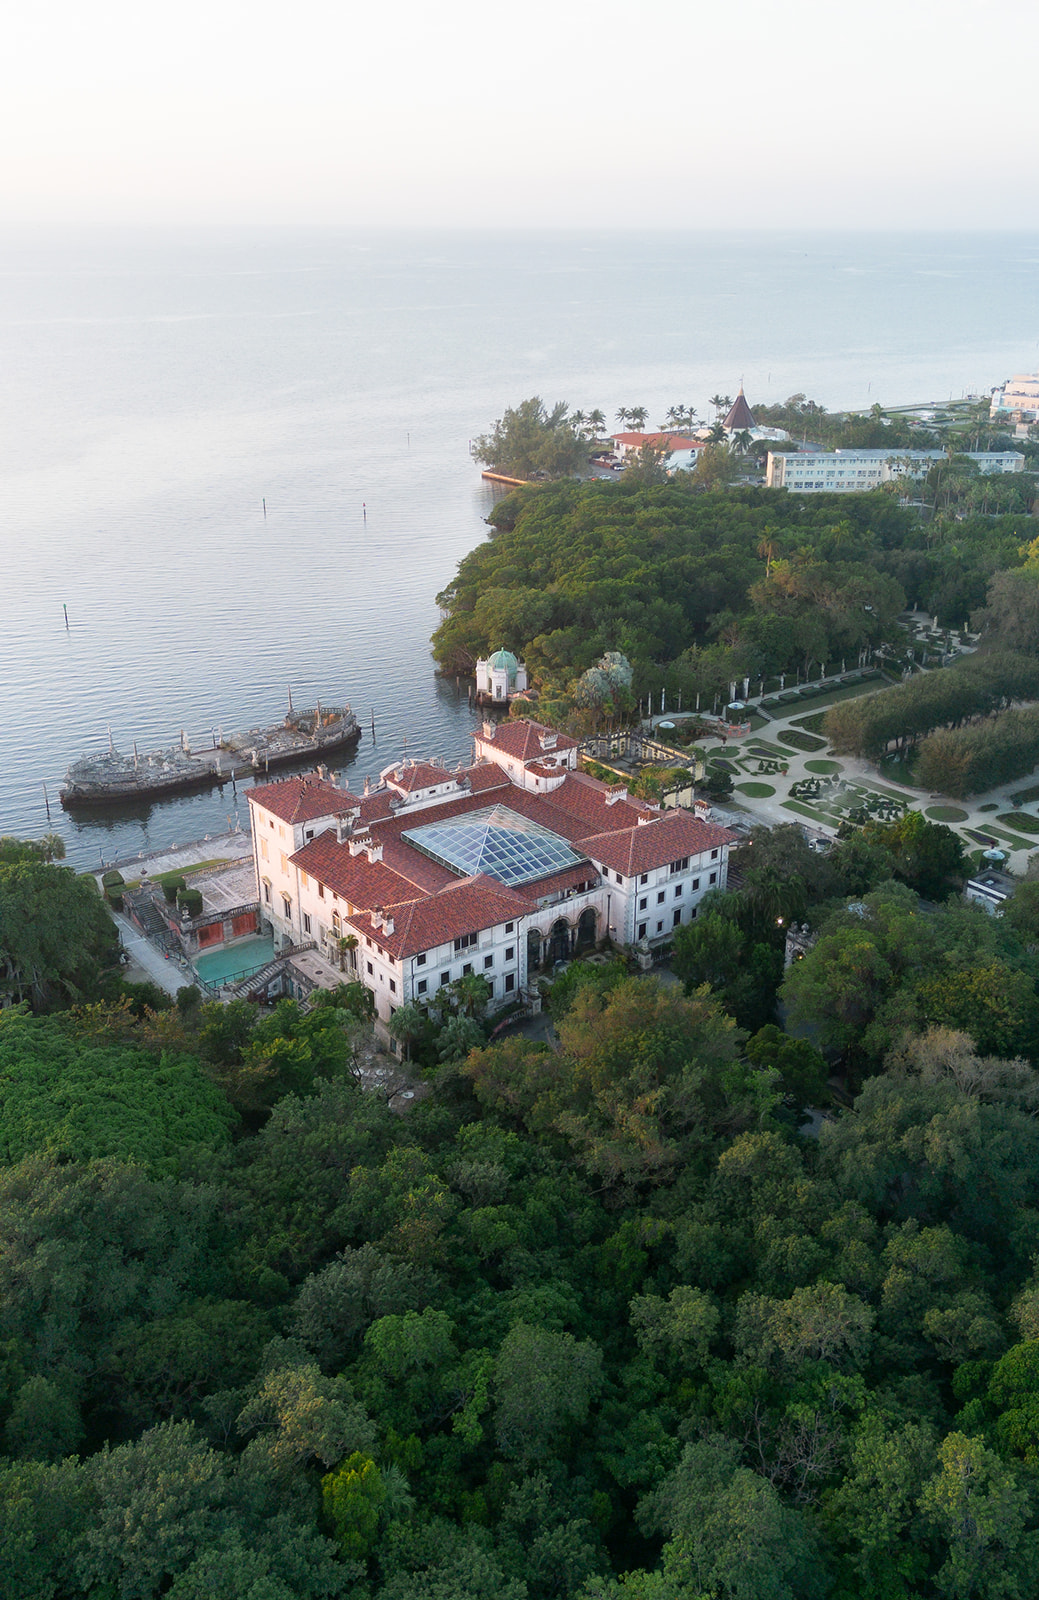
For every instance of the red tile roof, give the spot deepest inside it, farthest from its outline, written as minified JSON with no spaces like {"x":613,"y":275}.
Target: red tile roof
{"x":355,"y":878}
{"x":559,"y":882}
{"x":302,"y":799}
{"x":465,"y":907}
{"x":654,"y":844}
{"x":521,"y":739}
{"x":413,"y":775}
{"x":659,"y":441}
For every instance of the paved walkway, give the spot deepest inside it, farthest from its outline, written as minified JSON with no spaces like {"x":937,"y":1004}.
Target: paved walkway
{"x":170,"y":973}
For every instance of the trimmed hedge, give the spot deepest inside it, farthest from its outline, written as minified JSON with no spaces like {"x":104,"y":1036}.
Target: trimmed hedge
{"x":944,"y":698}
{"x":963,"y":761}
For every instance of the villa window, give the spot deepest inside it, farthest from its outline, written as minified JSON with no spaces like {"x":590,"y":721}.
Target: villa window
{"x":465,"y":942}
{"x":287,"y":903}
{"x":393,"y":986}
{"x":488,"y":963}
{"x":267,"y":892}
{"x":661,"y":896}
{"x":371,"y":969}
{"x":509,"y":926}
{"x":642,"y":931}
{"x":510,"y":982}
{"x":445,"y":977}
{"x":306,"y":922}
{"x":510,"y":954}
{"x":423,"y":985}
{"x":420,"y":960}
{"x":681,"y":866}
{"x":643,"y":903}
{"x":678,"y":892}
{"x":467,"y":969}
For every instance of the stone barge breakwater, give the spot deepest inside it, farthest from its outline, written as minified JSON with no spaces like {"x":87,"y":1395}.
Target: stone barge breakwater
{"x":112,"y":778}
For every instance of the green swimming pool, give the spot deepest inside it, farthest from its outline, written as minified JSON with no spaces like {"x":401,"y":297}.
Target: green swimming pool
{"x":232,"y":961}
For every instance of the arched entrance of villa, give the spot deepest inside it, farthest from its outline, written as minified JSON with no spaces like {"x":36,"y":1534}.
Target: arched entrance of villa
{"x":533,"y":949}
{"x":559,"y":941}
{"x":586,"y":928}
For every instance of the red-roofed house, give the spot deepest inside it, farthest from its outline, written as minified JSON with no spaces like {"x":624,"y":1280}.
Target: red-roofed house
{"x":499,"y":869}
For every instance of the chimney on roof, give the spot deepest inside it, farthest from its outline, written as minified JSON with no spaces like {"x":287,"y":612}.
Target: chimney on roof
{"x":359,"y":845}
{"x":374,"y":852}
{"x":618,"y":792}
{"x":549,"y":741}
{"x":489,"y":731}
{"x":322,"y":772}
{"x":344,"y":826}
{"x":367,"y":786}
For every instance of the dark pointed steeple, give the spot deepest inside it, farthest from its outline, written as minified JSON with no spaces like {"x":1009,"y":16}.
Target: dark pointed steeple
{"x":740,"y":415}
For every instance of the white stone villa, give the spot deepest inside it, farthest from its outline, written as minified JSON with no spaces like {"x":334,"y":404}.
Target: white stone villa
{"x":497,"y":868}
{"x":832,"y":471}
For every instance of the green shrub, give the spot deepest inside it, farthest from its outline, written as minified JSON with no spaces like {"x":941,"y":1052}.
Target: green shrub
{"x":801,"y":741}
{"x":189,"y":900}
{"x":171,"y":884}
{"x":112,"y":879}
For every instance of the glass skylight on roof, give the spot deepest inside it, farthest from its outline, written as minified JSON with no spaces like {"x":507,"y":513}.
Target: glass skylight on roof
{"x":496,"y":841}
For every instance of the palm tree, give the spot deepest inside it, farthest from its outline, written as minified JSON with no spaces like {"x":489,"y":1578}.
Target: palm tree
{"x":623,"y":415}
{"x":743,"y":440}
{"x":721,"y":402}
{"x":406,"y":1025}
{"x":638,"y":416}
{"x":767,"y":551}
{"x":597,"y":422}
{"x":471,"y":994}
{"x":577,"y":421}
{"x":349,"y":943}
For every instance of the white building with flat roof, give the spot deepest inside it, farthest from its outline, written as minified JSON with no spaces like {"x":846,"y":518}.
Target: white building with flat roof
{"x":837,"y":471}
{"x":1019,"y":394}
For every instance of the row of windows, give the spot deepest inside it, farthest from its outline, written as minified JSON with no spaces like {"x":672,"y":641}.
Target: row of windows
{"x":422,"y":987}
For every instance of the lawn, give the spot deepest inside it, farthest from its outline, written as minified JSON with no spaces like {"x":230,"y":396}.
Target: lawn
{"x":1025,"y":796}
{"x":824,"y":768}
{"x":801,"y":741}
{"x":848,"y":692}
{"x":1022,"y":820}
{"x":898,"y":769}
{"x":1014,"y":840}
{"x":755,"y":791}
{"x":825,"y":817}
{"x":946,"y":814}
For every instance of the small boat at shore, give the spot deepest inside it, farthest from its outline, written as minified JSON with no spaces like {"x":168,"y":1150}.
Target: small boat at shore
{"x":111,"y":778}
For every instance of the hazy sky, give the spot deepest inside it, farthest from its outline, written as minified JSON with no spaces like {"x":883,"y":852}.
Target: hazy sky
{"x":826,"y":113}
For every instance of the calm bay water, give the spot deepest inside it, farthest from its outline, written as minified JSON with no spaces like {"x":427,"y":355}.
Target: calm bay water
{"x":155,"y":389}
